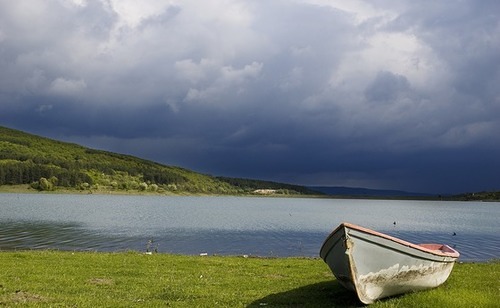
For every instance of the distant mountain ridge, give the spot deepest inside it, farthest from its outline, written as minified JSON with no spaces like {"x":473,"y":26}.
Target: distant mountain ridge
{"x":359,"y":192}
{"x":365,"y":192}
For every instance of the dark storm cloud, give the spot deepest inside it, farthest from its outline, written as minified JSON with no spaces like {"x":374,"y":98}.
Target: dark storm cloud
{"x":378,"y":94}
{"x":386,"y":87}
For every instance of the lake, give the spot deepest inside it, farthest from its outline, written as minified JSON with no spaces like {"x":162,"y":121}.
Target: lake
{"x":255,"y":226}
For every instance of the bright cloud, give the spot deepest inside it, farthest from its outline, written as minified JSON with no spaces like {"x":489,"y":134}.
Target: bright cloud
{"x":67,"y":86}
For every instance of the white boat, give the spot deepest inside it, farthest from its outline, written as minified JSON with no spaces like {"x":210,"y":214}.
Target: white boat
{"x":376,"y":265}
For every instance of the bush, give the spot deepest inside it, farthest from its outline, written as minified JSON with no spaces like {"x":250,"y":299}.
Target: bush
{"x":45,"y":184}
{"x":84,"y":186}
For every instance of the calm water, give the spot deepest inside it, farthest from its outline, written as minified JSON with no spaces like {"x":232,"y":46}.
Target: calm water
{"x":236,"y":225}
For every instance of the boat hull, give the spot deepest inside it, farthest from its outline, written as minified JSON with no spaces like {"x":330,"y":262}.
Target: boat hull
{"x":375,"y":265}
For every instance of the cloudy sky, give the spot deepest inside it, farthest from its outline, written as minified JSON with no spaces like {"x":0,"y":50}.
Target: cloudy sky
{"x":377,"y":94}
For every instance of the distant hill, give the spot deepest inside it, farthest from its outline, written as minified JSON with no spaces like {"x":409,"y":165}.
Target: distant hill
{"x":46,"y":164}
{"x":364,"y":192}
{"x":352,"y":192}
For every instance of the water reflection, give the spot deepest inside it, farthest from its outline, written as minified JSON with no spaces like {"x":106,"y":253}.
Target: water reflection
{"x":70,"y":236}
{"x":39,"y":235}
{"x":44,"y":235}
{"x":236,"y":226}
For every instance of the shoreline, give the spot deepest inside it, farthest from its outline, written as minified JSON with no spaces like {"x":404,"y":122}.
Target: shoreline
{"x":26,"y":189}
{"x":201,"y":255}
{"x":22,"y":189}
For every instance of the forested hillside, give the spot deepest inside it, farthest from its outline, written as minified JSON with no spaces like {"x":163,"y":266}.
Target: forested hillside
{"x":46,"y":164}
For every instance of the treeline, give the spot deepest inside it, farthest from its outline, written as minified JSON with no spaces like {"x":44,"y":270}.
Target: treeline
{"x":14,"y":172}
{"x":26,"y":172}
{"x":29,"y":159}
{"x":478,"y":196}
{"x":21,"y":162}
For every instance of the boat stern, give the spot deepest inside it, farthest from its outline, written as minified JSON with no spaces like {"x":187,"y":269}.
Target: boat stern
{"x":335,"y":253}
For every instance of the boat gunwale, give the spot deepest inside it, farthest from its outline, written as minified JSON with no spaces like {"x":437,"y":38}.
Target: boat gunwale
{"x":452,"y":252}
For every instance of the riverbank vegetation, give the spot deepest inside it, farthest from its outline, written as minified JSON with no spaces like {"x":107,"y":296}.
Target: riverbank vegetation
{"x":477,"y":196}
{"x":89,"y":279}
{"x":43,"y":164}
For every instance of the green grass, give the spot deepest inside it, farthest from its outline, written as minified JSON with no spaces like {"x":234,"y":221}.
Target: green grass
{"x":54,"y":278}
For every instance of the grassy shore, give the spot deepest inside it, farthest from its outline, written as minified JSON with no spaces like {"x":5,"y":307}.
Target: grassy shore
{"x":84,"y":279}
{"x":26,"y":189}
